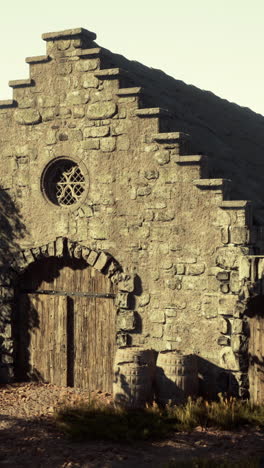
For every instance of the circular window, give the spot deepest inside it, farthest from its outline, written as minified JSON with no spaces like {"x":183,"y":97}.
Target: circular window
{"x":64,"y":182}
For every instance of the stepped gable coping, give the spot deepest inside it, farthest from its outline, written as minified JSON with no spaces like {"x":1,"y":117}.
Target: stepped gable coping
{"x":8,"y":103}
{"x":68,"y":34}
{"x":211,"y":183}
{"x":85,"y":52}
{"x":21,"y":83}
{"x":152,"y":112}
{"x":192,"y":159}
{"x":235,"y":204}
{"x":129,"y":91}
{"x":38,"y":59}
{"x":169,"y":136}
{"x":109,"y":72}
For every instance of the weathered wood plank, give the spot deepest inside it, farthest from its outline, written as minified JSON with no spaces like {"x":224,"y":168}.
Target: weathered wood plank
{"x":74,"y":341}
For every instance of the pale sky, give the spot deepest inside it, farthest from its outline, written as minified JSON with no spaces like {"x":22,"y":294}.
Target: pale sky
{"x":216,"y":45}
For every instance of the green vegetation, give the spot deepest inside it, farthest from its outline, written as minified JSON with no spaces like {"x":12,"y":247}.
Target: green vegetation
{"x":96,"y":421}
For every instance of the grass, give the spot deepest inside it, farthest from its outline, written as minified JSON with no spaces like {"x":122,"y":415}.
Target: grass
{"x":97,"y":421}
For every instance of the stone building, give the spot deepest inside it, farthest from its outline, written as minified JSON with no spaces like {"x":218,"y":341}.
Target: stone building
{"x":120,"y":224}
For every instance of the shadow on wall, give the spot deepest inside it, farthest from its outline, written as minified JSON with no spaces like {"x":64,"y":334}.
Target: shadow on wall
{"x":11,"y":230}
{"x":133,"y":389}
{"x":232,"y":136}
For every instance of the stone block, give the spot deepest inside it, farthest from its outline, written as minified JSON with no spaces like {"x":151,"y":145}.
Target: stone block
{"x":180,"y":269}
{"x":228,"y":359}
{"x":228,"y":257}
{"x":118,"y":128}
{"x":64,"y":68}
{"x":29,"y":257}
{"x":90,"y":81}
{"x":92,"y":257}
{"x":27,"y":116}
{"x":239,"y":235}
{"x":195,"y":269}
{"x":224,"y":288}
{"x":162,"y":157}
{"x":26,"y":102}
{"x":210,"y":305}
{"x":144,"y":191}
{"x":85,"y":65}
{"x":59,"y":246}
{"x":78,"y":112}
{"x":122,"y":339}
{"x":157,"y":316}
{"x":234,"y":282}
{"x":101,"y":110}
{"x":48,"y":101}
{"x":91,"y":144}
{"x":108,"y":144}
{"x":223,"y":275}
{"x":126,"y":282}
{"x":121,"y":300}
{"x":144,"y":299}
{"x":123,"y":143}
{"x":171,"y":312}
{"x":171,"y":332}
{"x":157,"y":330}
{"x":225,"y":327}
{"x":96,"y":132}
{"x":152,"y":174}
{"x":225,"y":235}
{"x":77,"y":253}
{"x":51,"y":249}
{"x":102,"y":261}
{"x":174,"y":283}
{"x":85,"y":253}
{"x":165,"y":215}
{"x":237,"y":326}
{"x":223,"y":341}
{"x":187,"y":259}
{"x":48,"y":114}
{"x":239,"y":343}
{"x":227,"y":305}
{"x":77,"y":97}
{"x":126,"y":320}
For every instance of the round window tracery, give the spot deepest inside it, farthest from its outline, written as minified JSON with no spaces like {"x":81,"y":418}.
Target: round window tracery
{"x":64,"y":182}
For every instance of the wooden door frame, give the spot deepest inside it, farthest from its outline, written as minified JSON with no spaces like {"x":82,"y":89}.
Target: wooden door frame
{"x":62,"y":246}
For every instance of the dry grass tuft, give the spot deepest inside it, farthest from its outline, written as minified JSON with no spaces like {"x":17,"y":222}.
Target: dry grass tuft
{"x":95,"y":420}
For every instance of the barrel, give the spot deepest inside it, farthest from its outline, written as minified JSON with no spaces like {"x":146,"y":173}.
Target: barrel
{"x":134,"y":369}
{"x":176,"y":377}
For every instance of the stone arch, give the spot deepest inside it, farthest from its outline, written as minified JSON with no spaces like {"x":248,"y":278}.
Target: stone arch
{"x":62,"y":246}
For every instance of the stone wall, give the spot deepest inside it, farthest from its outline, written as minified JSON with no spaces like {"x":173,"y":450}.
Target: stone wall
{"x":147,"y":202}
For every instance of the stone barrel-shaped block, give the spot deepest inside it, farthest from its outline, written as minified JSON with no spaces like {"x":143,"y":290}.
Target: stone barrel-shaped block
{"x":134,"y":370}
{"x":176,"y":377}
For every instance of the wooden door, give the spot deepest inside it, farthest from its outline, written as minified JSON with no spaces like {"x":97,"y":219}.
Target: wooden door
{"x":66,"y":330}
{"x":256,"y":359}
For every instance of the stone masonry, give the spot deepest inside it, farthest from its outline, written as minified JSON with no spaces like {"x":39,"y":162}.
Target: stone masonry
{"x":177,"y":243}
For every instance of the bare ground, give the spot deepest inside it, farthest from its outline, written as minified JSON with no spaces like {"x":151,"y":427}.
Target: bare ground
{"x":29,"y":438}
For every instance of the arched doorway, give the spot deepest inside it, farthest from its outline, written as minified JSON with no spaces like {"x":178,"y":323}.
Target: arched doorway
{"x":65,"y":324}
